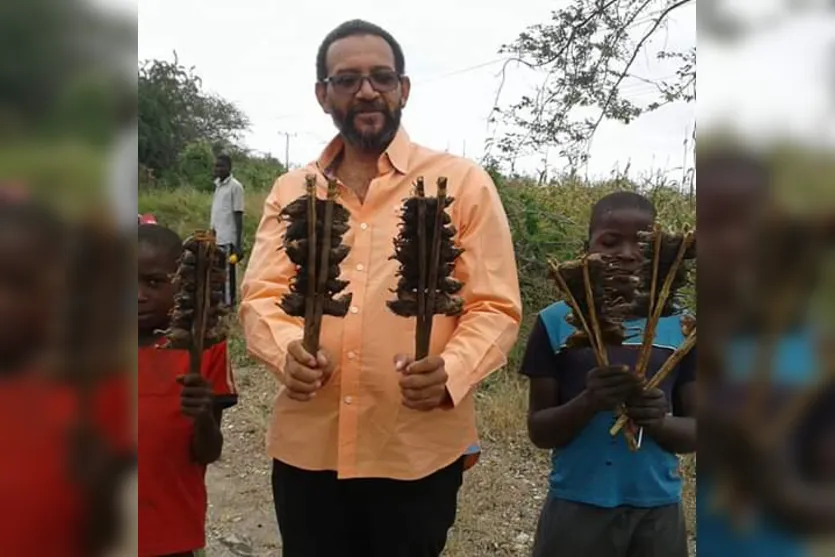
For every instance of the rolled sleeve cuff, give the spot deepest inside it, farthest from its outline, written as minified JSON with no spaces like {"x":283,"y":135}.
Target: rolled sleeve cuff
{"x":458,"y":383}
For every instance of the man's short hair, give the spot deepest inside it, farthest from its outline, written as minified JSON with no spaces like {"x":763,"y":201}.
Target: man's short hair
{"x":356,"y":28}
{"x":223,"y":157}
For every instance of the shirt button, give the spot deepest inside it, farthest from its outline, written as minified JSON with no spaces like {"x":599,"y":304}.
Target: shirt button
{"x":360,"y":267}
{"x":348,"y":400}
{"x":355,"y":309}
{"x":364,"y":226}
{"x":351,"y":355}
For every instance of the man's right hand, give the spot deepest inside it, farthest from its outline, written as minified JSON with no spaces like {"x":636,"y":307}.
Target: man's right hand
{"x":610,"y":386}
{"x":304,"y":374}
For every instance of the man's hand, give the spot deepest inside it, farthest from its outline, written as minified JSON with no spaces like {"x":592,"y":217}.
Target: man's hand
{"x":609,"y":386}
{"x":196,"y":399}
{"x":238,"y":252}
{"x":422,"y":383}
{"x":304,"y":374}
{"x":647,"y":409}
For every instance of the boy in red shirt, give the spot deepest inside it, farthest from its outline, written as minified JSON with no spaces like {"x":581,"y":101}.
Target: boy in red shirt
{"x":179,"y":416}
{"x":57,"y":496}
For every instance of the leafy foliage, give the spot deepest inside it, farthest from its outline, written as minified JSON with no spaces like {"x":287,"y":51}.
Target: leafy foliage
{"x":182,"y":128}
{"x":175,"y":112}
{"x":60,"y":73}
{"x":586,"y":52}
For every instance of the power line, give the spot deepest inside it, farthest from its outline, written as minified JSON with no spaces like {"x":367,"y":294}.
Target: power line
{"x":460,"y":71}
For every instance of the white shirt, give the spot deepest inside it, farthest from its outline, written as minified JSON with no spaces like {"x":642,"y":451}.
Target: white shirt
{"x":226,"y":201}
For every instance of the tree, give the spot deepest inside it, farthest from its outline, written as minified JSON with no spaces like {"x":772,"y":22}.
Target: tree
{"x":175,"y":112}
{"x":585,"y":52}
{"x":61,"y":58}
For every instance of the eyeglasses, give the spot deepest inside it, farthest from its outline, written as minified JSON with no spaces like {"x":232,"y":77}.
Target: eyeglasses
{"x":348,"y":83}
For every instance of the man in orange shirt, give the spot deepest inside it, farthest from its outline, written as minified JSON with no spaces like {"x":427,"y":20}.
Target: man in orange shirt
{"x":369,"y":447}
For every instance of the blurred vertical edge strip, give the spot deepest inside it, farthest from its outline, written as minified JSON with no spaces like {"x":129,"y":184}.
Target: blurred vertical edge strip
{"x":765,"y":167}
{"x":68,"y":144}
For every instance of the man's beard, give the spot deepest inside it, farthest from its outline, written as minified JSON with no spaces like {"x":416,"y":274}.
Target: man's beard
{"x":372,"y":143}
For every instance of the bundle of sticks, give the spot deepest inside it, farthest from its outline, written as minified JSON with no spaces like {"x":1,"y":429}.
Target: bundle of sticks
{"x":426,"y":252}
{"x":313,"y":242}
{"x":668,"y":260}
{"x":198,"y":316}
{"x":602,"y":293}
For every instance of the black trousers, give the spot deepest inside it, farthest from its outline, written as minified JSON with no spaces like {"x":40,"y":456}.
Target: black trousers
{"x":231,"y":286}
{"x":568,"y":529}
{"x":320,"y":516}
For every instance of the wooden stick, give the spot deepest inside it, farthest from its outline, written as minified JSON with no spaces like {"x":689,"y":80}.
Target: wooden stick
{"x":202,"y":300}
{"x":322,"y":278}
{"x":310,"y":341}
{"x":434,"y":264}
{"x":652,"y":323}
{"x":656,"y":262}
{"x":674,"y":359}
{"x":421,"y":341}
{"x":572,"y":302}
{"x":602,"y":356}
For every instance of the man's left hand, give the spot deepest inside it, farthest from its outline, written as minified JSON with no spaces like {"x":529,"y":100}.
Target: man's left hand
{"x":648,"y":409}
{"x":422,"y":383}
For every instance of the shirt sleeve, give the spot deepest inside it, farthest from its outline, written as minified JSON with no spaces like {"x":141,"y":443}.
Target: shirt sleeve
{"x":267,"y":329}
{"x":237,"y":197}
{"x":539,"y":360}
{"x":217,"y":369}
{"x":489,"y":324}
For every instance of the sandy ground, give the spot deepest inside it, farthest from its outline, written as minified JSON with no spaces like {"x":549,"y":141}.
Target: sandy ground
{"x":498,"y":505}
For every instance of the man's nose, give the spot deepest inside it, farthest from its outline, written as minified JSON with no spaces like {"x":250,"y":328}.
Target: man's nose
{"x":366,"y":91}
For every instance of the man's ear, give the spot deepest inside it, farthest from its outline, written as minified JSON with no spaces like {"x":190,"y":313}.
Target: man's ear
{"x":321,"y":90}
{"x":405,"y":88}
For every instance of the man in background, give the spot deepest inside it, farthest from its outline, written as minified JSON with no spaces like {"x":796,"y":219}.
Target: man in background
{"x":228,"y":219}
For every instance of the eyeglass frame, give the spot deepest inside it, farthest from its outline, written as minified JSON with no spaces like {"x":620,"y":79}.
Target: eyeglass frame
{"x":363,"y":78}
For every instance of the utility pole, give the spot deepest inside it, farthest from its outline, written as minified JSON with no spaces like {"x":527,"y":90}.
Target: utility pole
{"x":287,"y":136}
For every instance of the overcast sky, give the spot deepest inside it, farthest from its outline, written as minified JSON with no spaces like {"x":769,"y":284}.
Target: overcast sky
{"x":260,"y":54}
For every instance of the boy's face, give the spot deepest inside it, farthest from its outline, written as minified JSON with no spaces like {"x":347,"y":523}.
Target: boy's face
{"x":616,"y":234}
{"x":28,"y":293}
{"x":155,"y":288}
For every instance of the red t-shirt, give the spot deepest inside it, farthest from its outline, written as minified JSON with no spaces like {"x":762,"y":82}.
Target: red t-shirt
{"x":42,"y":506}
{"x":172,"y":490}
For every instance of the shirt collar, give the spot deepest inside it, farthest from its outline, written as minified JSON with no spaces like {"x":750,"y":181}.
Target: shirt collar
{"x":395,"y":156}
{"x":220,"y":182}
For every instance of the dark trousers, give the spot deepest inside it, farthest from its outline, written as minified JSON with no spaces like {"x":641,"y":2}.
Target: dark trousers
{"x":231,"y":286}
{"x":320,"y":516}
{"x":568,"y":529}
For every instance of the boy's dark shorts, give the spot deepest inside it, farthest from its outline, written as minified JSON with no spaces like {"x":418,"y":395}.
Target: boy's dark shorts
{"x":568,"y":529}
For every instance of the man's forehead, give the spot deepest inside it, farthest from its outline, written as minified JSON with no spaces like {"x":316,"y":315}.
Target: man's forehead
{"x":359,"y":52}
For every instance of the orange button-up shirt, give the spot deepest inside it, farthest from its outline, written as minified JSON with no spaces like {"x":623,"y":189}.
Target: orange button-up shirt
{"x":357,"y":425}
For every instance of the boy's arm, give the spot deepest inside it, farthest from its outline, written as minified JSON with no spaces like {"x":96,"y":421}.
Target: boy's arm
{"x":677,"y":433}
{"x":550,"y":425}
{"x":207,"y":439}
